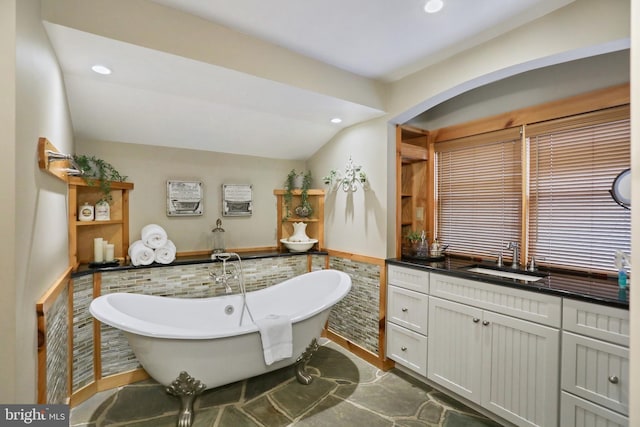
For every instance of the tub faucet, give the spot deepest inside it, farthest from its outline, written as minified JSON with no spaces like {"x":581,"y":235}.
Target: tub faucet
{"x":223,"y":278}
{"x":516,"y":254}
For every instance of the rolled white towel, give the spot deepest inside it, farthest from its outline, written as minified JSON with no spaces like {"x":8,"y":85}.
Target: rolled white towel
{"x":165,"y":254}
{"x":140,"y":254}
{"x":153,"y":236}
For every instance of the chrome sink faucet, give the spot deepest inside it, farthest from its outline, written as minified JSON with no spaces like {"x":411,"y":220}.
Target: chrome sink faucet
{"x":515,"y":246}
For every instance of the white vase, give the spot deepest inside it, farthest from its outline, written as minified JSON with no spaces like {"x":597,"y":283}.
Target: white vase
{"x":299,"y":232}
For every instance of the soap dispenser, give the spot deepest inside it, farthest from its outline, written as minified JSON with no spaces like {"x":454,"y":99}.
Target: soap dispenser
{"x":435,"y":248}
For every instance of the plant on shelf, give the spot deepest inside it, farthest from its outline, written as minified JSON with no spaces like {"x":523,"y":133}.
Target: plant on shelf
{"x":414,"y":236}
{"x":98,"y":172}
{"x":417,"y":243}
{"x":304,"y":209}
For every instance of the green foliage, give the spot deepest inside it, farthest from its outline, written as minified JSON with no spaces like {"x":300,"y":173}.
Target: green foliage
{"x":290,"y":185}
{"x":414,"y":236}
{"x":98,"y":172}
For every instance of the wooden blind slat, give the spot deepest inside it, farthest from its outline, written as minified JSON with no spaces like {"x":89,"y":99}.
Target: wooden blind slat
{"x":571,"y":163}
{"x":573,"y":220}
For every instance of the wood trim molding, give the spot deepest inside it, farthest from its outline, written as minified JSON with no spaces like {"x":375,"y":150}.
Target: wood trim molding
{"x":591,"y":101}
{"x":355,"y":257}
{"x":372,"y":358}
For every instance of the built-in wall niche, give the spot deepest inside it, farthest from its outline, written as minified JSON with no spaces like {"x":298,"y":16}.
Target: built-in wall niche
{"x":412,"y":188}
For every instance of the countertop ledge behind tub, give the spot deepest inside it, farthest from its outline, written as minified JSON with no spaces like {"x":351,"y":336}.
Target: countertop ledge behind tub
{"x":595,"y":289}
{"x":187,"y":260}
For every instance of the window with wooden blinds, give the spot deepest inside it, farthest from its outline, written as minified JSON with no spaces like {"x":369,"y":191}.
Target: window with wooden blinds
{"x":479,"y":185}
{"x":573,"y":221}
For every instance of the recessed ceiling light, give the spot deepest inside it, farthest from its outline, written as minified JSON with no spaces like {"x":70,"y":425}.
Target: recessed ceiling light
{"x":433,"y":6}
{"x":101,"y":69}
{"x":336,"y":120}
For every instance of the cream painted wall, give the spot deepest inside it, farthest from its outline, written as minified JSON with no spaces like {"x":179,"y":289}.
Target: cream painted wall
{"x":356,"y":222}
{"x":41,"y":246}
{"x":634,"y":357}
{"x":150,"y":167}
{"x":8,"y":318}
{"x":530,"y":88}
{"x":575,"y":31}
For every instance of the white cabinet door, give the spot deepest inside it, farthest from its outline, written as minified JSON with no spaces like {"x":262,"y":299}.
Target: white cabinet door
{"x":576,"y":412}
{"x":596,"y":370}
{"x":408,"y":308}
{"x":454,"y":353}
{"x":520,"y":370}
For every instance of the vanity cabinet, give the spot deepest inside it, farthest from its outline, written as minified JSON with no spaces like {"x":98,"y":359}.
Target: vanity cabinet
{"x":484,"y":346}
{"x":82,"y":233}
{"x":595,"y":365}
{"x":407,"y":317}
{"x":315,"y":221}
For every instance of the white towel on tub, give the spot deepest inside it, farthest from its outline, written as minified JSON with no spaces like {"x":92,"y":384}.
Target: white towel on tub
{"x":277,"y":337}
{"x":165,"y":254}
{"x":154,"y":236}
{"x":140,"y":254}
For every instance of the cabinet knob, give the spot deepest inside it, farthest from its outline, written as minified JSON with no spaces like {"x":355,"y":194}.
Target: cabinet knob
{"x":405,"y":309}
{"x":403,"y":348}
{"x":613,"y":379}
{"x":476,"y":320}
{"x":485,"y":323}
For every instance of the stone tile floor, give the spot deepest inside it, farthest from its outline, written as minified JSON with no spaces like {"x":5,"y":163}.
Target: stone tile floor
{"x":346,"y":391}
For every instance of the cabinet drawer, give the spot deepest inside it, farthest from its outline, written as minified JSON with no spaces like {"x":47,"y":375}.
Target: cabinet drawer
{"x":596,"y":371}
{"x":407,"y":348}
{"x":408,"y":308}
{"x":576,"y":412}
{"x":597,"y":321}
{"x":533,"y":306}
{"x":409,"y":278}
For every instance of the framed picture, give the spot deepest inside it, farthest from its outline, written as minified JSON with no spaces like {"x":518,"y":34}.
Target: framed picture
{"x":237,"y":200}
{"x":184,"y":198}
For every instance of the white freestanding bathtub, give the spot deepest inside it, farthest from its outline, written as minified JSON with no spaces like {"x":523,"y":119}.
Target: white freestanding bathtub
{"x":204,"y":337}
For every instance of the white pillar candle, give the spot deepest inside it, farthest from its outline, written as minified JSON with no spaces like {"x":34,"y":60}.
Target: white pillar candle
{"x":98,"y":250}
{"x":108,"y":256}
{"x":104,"y":249}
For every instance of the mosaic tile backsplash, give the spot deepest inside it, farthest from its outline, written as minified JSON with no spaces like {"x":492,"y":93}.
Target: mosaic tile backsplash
{"x":57,"y":349}
{"x":82,"y":333}
{"x":355,"y":318}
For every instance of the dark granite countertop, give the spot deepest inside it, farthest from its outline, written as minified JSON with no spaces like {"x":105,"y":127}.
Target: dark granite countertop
{"x":85,"y":269}
{"x":597,"y":289}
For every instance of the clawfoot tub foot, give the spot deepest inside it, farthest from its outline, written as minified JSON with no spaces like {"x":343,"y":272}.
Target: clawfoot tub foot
{"x":302,"y":375}
{"x":187,"y":389}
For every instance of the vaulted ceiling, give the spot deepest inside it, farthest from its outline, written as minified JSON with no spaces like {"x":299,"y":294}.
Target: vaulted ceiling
{"x":249,"y":76}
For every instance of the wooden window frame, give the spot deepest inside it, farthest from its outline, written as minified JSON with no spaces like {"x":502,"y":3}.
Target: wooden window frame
{"x":600,"y":99}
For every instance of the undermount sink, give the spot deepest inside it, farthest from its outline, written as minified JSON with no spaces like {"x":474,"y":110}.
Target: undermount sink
{"x":507,"y":274}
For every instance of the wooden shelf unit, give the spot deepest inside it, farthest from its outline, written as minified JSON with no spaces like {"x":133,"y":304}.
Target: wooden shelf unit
{"x":82,"y":233}
{"x":315,"y":222}
{"x":412,"y":185}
